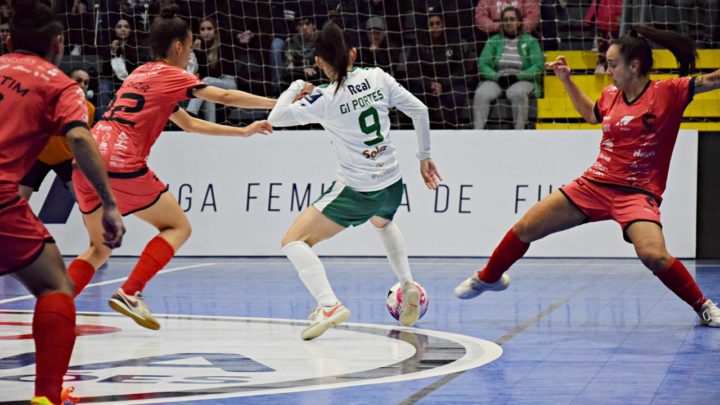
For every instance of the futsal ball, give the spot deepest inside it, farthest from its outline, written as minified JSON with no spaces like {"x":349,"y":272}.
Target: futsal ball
{"x":394,"y":300}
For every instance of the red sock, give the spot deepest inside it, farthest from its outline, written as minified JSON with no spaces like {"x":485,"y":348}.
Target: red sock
{"x":53,"y":330}
{"x":80,"y":272}
{"x":678,"y":280}
{"x":156,"y":255}
{"x":510,"y":249}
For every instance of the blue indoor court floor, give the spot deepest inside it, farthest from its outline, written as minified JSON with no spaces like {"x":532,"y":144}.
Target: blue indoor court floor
{"x":571,"y":331}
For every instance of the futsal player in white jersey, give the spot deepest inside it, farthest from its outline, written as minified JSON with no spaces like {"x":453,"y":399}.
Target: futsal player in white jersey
{"x":353,"y":109}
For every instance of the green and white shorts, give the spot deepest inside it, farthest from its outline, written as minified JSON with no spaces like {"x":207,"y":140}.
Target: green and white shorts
{"x":349,"y":207}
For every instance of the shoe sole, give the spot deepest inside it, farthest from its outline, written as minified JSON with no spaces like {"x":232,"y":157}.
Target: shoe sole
{"x":315,"y":331}
{"x":145,"y":323}
{"x":411,"y":307}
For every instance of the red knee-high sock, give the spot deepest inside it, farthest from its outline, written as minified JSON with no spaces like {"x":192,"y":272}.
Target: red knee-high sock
{"x":677,"y":278}
{"x":80,"y":272}
{"x":510,"y":249}
{"x":53,"y":329}
{"x":156,"y":255}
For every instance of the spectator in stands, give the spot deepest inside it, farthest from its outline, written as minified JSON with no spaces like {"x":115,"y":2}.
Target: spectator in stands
{"x":80,"y":29}
{"x":277,"y":24}
{"x":376,"y":49}
{"x":300,"y":53}
{"x":4,"y":33}
{"x":352,"y":16}
{"x":250,"y":47}
{"x":119,"y":59}
{"x":215,"y":66}
{"x":488,"y":12}
{"x":511,"y":62}
{"x":606,"y":14}
{"x":5,"y":11}
{"x":445,"y":64}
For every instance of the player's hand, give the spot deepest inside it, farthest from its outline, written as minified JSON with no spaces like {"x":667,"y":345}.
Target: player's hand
{"x":258,"y":127}
{"x":307,"y":89}
{"x":197,"y":44}
{"x":560,"y":67}
{"x":430,"y":174}
{"x":113,"y":228}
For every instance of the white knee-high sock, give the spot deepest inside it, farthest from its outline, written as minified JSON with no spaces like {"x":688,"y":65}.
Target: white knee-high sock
{"x":311,"y":271}
{"x":394,"y":242}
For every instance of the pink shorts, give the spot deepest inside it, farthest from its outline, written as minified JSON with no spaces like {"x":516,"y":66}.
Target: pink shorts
{"x":22,"y":235}
{"x":133,"y":191}
{"x":623,"y":205}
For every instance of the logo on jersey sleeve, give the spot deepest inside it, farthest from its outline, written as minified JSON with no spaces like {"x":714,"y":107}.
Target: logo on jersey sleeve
{"x":311,"y":98}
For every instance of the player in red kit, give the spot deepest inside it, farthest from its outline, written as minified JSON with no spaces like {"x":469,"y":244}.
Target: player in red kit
{"x":125,"y":134}
{"x":640,"y":122}
{"x":37,"y":100}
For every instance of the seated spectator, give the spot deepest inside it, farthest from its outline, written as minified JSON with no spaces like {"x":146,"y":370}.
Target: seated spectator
{"x":5,"y":11}
{"x":487,"y":15}
{"x":300,"y":53}
{"x":511,"y":62}
{"x":215,"y":66}
{"x":276,"y":23}
{"x":118,"y":60}
{"x":377,"y":50}
{"x":606,"y":14}
{"x":80,"y":29}
{"x":4,"y":33}
{"x":445,"y":64}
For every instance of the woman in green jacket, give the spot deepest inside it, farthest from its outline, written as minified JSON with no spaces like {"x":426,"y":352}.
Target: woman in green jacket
{"x":511,"y":62}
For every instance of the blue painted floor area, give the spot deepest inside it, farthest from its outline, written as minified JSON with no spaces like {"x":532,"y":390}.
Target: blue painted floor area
{"x":573,"y":331}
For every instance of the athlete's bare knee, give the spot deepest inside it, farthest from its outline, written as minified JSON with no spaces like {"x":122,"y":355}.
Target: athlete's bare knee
{"x":654,"y":259}
{"x":525,"y":230}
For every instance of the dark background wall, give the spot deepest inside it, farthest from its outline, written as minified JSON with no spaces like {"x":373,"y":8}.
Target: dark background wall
{"x":708,"y":202}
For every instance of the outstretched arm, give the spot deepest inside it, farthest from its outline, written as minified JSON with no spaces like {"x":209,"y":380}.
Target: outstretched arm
{"x":418,"y":112}
{"x":288,"y":113}
{"x":580,"y":100}
{"x":188,"y":123}
{"x":708,"y":82}
{"x":234,"y":98}
{"x":88,"y":158}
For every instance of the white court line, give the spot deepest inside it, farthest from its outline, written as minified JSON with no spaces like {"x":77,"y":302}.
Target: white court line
{"x":171,"y":270}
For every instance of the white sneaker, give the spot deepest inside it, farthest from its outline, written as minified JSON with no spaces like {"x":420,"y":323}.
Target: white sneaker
{"x":325,"y":318}
{"x":709,"y":314}
{"x":473,"y":286}
{"x":410,"y":311}
{"x":134,"y":307}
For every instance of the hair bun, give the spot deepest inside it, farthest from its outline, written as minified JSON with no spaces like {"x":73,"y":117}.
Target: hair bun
{"x":169,"y":11}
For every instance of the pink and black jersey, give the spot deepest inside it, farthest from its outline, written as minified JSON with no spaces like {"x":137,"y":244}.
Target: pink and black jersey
{"x":36,"y":100}
{"x":138,"y":113}
{"x":639,"y":136}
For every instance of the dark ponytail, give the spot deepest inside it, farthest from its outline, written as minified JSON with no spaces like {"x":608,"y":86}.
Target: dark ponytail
{"x":166,"y":29}
{"x":635,"y":46}
{"x":333,"y":49}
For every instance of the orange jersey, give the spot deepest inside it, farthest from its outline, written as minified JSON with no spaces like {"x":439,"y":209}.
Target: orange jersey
{"x":36,"y":99}
{"x":138,"y":113}
{"x":639,"y":137}
{"x":57,"y":149}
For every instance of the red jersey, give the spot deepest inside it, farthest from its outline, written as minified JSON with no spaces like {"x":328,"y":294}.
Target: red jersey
{"x":639,"y":137}
{"x":138,"y":113}
{"x":36,"y":100}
